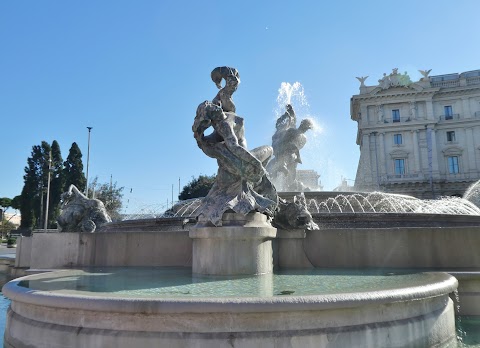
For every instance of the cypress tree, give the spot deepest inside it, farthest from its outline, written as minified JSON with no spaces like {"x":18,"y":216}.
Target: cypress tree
{"x":27,"y":195}
{"x":33,"y":199}
{"x":73,"y":169}
{"x":57,"y":184}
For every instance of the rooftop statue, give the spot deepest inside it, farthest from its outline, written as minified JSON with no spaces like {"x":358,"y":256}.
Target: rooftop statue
{"x":362,"y":80}
{"x":287,"y":143}
{"x":394,"y":80}
{"x":425,"y":74}
{"x":80,"y":213}
{"x":241,"y":185}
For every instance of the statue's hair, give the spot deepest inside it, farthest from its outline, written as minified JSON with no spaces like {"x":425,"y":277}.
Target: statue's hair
{"x":306,"y":124}
{"x":201,"y":121}
{"x":222,"y":73}
{"x":206,"y":113}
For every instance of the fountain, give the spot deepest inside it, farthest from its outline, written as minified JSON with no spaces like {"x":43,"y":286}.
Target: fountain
{"x":234,"y":280}
{"x":287,"y":143}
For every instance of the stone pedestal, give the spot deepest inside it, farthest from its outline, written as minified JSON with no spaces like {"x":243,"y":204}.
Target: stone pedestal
{"x":291,"y":253}
{"x":241,"y":246}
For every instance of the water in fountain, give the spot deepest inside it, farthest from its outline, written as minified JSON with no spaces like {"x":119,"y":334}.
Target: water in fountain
{"x":290,"y":94}
{"x":473,"y":193}
{"x":183,"y":208}
{"x":290,"y":138}
{"x":361,"y":202}
{"x":379,"y":202}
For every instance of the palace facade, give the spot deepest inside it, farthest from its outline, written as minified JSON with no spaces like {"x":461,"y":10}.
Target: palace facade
{"x":418,"y":138}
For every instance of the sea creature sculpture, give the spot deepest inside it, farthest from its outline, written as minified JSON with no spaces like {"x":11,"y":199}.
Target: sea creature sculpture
{"x":294,"y":215}
{"x":80,"y":213}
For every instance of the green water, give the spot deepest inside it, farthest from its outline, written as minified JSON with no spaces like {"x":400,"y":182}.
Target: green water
{"x":468,"y":331}
{"x":179,"y":282}
{"x":4,"y":303}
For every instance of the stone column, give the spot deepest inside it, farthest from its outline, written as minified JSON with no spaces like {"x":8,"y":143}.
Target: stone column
{"x":375,"y":162}
{"x":241,"y":246}
{"x":434,"y":153}
{"x":416,"y":151}
{"x":365,"y":172}
{"x":382,"y":159}
{"x":429,"y":110}
{"x":365,"y":117}
{"x":470,"y":148}
{"x":466,"y":108}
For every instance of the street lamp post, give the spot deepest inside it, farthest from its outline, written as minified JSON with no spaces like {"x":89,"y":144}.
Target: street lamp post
{"x":88,"y":159}
{"x":45,"y":226}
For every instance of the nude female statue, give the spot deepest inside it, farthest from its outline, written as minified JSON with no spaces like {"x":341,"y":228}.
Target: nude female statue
{"x":241,"y":184}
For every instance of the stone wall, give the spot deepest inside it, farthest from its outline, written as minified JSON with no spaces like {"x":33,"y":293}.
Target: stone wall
{"x":400,"y":247}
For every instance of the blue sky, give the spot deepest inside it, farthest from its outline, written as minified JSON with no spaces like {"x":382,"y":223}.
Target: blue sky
{"x":136,"y":71}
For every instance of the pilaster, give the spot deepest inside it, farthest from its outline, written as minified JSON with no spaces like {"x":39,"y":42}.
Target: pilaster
{"x":416,"y":151}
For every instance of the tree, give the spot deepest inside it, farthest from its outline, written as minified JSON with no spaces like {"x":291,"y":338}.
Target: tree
{"x":29,"y":190}
{"x":57,"y":184}
{"x":198,"y":187}
{"x":5,"y":203}
{"x":5,"y":223}
{"x":32,"y":199}
{"x":16,"y":202}
{"x":73,"y":169}
{"x":110,"y":195}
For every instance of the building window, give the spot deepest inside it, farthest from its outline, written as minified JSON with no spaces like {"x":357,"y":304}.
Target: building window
{"x":453,"y":165}
{"x":450,"y":136}
{"x":397,"y":139}
{"x":399,"y":166}
{"x":396,"y":115}
{"x":448,"y":112}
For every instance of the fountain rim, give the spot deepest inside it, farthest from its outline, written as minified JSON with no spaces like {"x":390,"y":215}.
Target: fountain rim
{"x":441,"y":284}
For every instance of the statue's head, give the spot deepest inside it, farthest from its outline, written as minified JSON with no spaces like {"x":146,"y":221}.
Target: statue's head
{"x":305,"y":125}
{"x":230,"y":75}
{"x":289,"y":109}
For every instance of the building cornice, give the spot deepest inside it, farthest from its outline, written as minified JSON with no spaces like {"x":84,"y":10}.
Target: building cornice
{"x":419,"y":124}
{"x":401,"y":93}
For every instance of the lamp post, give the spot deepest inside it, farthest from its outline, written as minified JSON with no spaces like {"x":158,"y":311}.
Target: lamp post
{"x":45,"y":226}
{"x":88,"y":159}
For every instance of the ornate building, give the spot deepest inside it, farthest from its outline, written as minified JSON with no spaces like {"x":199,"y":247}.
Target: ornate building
{"x":309,"y":178}
{"x":418,"y":138}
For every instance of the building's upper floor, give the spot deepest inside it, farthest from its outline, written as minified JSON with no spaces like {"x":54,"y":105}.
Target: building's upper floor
{"x":398,"y":103}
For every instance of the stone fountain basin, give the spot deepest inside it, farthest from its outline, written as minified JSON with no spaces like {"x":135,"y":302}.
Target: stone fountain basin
{"x":420,"y":314}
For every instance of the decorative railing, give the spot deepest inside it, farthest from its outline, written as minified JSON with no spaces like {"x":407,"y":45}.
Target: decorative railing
{"x":449,"y":117}
{"x":448,"y":83}
{"x":473,"y":80}
{"x":401,"y":120}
